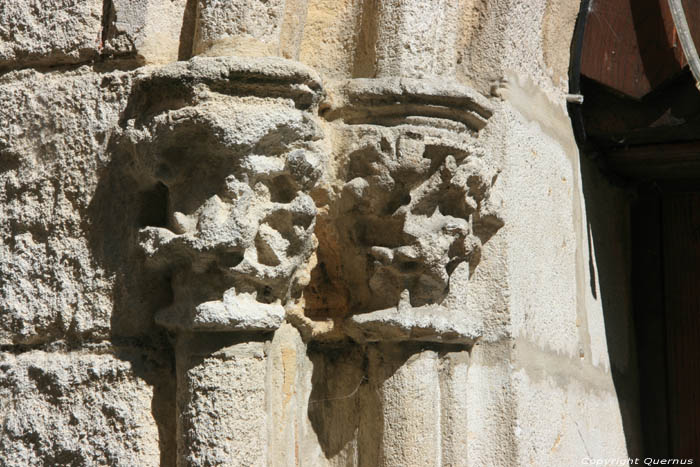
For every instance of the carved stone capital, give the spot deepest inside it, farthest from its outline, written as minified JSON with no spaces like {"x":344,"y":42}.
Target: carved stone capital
{"x":231,"y":148}
{"x":408,"y":199}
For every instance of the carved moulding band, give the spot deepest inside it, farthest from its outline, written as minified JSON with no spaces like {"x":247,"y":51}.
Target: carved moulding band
{"x":396,"y":101}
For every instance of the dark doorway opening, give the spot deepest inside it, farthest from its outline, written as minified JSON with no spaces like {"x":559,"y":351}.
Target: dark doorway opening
{"x":640,"y":125}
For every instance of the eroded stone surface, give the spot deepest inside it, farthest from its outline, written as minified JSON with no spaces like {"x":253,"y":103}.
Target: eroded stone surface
{"x":561,"y":417}
{"x":413,"y":203}
{"x":148,"y":30}
{"x":404,"y":323}
{"x":410,"y":407}
{"x":249,"y":27}
{"x":389,"y":404}
{"x":221,"y":404}
{"x":36,"y":32}
{"x":75,"y":409}
{"x":54,"y":281}
{"x":416,"y":41}
{"x":234,"y":228}
{"x":200,"y":190}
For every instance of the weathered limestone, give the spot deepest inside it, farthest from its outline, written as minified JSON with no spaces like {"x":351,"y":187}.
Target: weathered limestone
{"x":35,"y":32}
{"x":361,"y":39}
{"x":54,"y":283}
{"x":550,"y":328}
{"x":415,"y":41}
{"x":387,"y":404}
{"x":568,"y":416}
{"x":237,"y":228}
{"x":415,"y":211}
{"x":147,"y":30}
{"x":530,"y":39}
{"x":406,"y":323}
{"x":433,"y":192}
{"x":351,"y":231}
{"x":229,"y":153}
{"x":407,"y":202}
{"x":419,"y":413}
{"x":249,"y":27}
{"x":79,"y":408}
{"x":221,"y":402}
{"x":410,"y":193}
{"x":439,"y":103}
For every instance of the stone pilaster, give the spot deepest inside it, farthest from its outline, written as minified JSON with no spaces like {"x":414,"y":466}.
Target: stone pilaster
{"x":249,"y":27}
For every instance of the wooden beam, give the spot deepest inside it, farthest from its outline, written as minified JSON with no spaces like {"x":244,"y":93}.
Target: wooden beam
{"x":657,"y":161}
{"x":631,"y":45}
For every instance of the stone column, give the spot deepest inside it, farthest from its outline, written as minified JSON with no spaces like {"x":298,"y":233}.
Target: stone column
{"x":416,"y":38}
{"x":412,"y":210}
{"x":423,"y":403}
{"x":403,"y":230}
{"x":226,"y":168}
{"x":221,"y":400}
{"x":249,"y":27}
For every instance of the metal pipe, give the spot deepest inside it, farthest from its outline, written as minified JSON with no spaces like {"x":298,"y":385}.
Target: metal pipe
{"x":575,"y":72}
{"x":691,"y":54}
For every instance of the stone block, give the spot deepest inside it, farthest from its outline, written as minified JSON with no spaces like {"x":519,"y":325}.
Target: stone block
{"x":53,"y":146}
{"x":416,"y":41}
{"x":248,"y":27}
{"x":150,"y":30}
{"x":75,"y":409}
{"x":49,"y":32}
{"x":539,"y":176}
{"x":559,"y":423}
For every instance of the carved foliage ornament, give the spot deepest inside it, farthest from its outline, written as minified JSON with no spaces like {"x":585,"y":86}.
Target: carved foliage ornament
{"x":413,"y":200}
{"x":234,"y":147}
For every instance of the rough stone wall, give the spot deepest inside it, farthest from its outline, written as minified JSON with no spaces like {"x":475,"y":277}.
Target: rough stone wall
{"x":302,"y":232}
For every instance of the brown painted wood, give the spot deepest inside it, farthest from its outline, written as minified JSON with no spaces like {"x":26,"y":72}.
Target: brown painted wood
{"x":631,"y":45}
{"x":650,"y":320}
{"x":681,"y":240}
{"x":657,"y":161}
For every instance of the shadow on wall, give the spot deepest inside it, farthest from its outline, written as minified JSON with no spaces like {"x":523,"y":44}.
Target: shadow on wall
{"x":364,"y":396}
{"x":118,"y":209}
{"x":609,"y":266}
{"x":339,"y":390}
